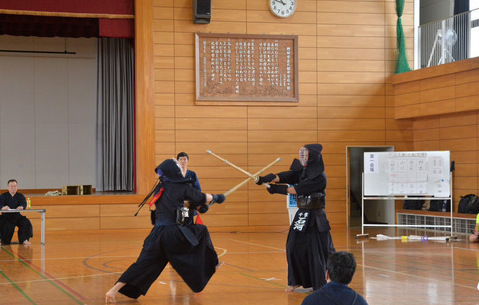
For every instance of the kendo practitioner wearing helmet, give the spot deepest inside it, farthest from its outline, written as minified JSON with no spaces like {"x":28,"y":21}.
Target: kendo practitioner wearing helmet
{"x":309,"y":240}
{"x":186,"y":246}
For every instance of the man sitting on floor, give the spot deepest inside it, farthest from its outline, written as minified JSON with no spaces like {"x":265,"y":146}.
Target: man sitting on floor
{"x":340,"y":270}
{"x":12,"y":200}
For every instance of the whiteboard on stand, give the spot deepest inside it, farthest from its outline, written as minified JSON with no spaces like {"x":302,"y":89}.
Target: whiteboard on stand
{"x":407,"y":173}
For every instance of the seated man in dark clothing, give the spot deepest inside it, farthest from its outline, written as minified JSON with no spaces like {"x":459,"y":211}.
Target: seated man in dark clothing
{"x":340,"y":270}
{"x":12,"y":200}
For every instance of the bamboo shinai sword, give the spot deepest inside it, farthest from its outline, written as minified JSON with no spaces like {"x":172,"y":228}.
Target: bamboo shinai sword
{"x":255,"y":176}
{"x":252,"y":176}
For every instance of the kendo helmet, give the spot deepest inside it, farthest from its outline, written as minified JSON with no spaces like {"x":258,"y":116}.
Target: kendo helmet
{"x":310,"y":152}
{"x":170,"y":170}
{"x":311,"y":159}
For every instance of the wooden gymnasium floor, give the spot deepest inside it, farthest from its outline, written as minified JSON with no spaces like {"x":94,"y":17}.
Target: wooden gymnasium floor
{"x":79,"y":267}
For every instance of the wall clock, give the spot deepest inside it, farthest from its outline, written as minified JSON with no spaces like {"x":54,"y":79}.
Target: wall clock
{"x":282,"y":8}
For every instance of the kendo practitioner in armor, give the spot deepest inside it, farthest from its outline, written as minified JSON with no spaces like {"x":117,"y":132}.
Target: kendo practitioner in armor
{"x":309,"y":241}
{"x":186,"y":246}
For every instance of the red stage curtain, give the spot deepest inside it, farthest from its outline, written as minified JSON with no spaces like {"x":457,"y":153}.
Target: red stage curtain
{"x":42,"y":26}
{"x":73,"y":18}
{"x":119,"y":7}
{"x":115,"y":28}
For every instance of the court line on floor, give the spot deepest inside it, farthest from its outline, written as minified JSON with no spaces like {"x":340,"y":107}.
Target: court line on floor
{"x":97,"y":256}
{"x":10,"y":282}
{"x":100,"y":256}
{"x":69,"y":258}
{"x":263,"y":280}
{"x":255,"y":244}
{"x":35,"y":269}
{"x":48,"y":275}
{"x":257,"y":252}
{"x":467,"y":249}
{"x":278,"y":250}
{"x":63,"y":278}
{"x":239,"y":267}
{"x":416,"y":276}
{"x":223,"y":251}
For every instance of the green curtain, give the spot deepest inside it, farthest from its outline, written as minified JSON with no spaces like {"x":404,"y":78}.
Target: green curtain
{"x":401,"y":58}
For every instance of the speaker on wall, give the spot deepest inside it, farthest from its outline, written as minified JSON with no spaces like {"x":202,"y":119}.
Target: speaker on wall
{"x":201,"y":11}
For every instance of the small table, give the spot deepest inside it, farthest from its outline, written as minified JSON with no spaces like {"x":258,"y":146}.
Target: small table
{"x":42,"y":214}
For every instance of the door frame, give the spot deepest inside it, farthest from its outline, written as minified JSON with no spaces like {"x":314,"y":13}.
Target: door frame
{"x":380,"y":148}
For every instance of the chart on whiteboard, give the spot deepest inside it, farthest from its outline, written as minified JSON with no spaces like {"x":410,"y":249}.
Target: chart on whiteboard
{"x":407,"y":173}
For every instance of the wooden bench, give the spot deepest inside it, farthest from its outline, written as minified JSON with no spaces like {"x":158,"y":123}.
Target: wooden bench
{"x":461,"y":223}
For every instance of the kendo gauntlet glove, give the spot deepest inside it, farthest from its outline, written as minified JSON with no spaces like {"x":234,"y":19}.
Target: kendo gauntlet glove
{"x":219,"y":198}
{"x":203,"y":209}
{"x":266,"y":179}
{"x":278,"y":189}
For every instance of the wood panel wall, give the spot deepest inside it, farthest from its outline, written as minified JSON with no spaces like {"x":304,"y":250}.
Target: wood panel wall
{"x":346,"y":57}
{"x":89,"y":212}
{"x":144,"y":92}
{"x":444,"y":103}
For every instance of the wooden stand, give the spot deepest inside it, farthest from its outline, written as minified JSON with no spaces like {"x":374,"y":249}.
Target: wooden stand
{"x":77,"y":189}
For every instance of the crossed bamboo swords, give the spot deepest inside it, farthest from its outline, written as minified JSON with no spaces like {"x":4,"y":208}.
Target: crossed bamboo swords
{"x":254,"y":176}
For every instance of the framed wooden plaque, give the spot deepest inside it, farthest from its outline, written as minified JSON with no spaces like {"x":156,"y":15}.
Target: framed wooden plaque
{"x":246,"y":68}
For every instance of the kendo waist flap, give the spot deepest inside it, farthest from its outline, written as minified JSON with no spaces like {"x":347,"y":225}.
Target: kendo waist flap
{"x":181,"y":216}
{"x":311,"y":202}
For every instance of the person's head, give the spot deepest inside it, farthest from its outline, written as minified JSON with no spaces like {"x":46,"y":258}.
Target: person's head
{"x":12,"y":186}
{"x":310,"y":153}
{"x":170,"y":170}
{"x":311,"y":159}
{"x":303,"y":155}
{"x":341,"y":267}
{"x":183,"y":159}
